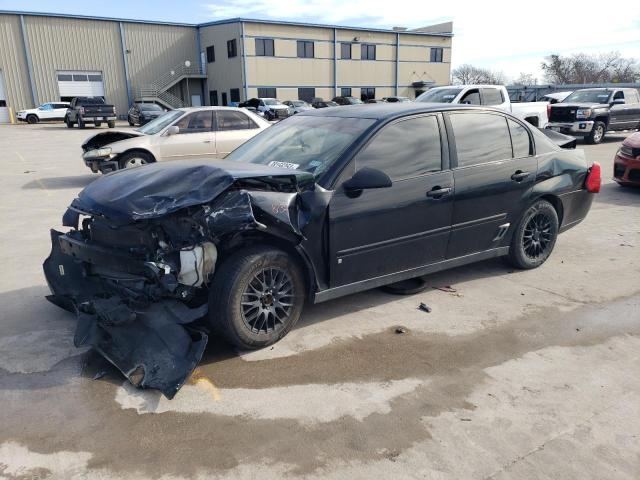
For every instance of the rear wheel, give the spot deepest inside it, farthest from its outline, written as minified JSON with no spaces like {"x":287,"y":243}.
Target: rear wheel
{"x":135,"y":159}
{"x":131,"y":124}
{"x":597,"y":133}
{"x":32,"y":119}
{"x":68,"y":122}
{"x":98,"y":124}
{"x":111,"y":123}
{"x":256,"y":297}
{"x":535,"y":236}
{"x":80,"y":122}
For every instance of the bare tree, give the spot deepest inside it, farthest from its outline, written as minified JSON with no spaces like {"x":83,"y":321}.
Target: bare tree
{"x":585,"y":68}
{"x":525,"y":79}
{"x":468,"y":74}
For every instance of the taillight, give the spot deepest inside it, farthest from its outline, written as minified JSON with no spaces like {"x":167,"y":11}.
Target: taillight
{"x":548,"y":111}
{"x":594,"y":178}
{"x":114,"y":110}
{"x":81,"y":110}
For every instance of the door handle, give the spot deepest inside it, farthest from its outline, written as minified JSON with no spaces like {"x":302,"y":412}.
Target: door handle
{"x":438,"y":192}
{"x":519,"y":176}
{"x":207,"y":141}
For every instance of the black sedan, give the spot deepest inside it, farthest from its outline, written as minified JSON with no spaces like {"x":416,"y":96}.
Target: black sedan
{"x":324,"y":204}
{"x":141,"y":113}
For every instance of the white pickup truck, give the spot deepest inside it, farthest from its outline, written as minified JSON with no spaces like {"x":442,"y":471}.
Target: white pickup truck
{"x":536,"y":113}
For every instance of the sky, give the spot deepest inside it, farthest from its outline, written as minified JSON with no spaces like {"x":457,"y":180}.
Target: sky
{"x":511,"y":37}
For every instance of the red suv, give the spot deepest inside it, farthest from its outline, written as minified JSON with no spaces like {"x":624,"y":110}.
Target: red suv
{"x":626,"y":166}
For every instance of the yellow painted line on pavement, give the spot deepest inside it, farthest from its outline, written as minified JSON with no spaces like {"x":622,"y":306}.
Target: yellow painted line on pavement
{"x":201,"y":380}
{"x":37,"y":179}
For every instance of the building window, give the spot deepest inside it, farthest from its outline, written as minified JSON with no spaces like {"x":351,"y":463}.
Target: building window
{"x":211,"y":54}
{"x":306,"y":94}
{"x":305,"y":49}
{"x":436,"y":55}
{"x":267,"y":92}
{"x":345,"y":51}
{"x":367,"y":52}
{"x":367,"y":93}
{"x":234,"y":94}
{"x":264,"y":47}
{"x":345,"y":92}
{"x":213,"y":97}
{"x":224,"y":99}
{"x":232,"y":48}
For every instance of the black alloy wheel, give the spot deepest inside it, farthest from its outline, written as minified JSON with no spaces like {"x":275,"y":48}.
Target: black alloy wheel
{"x":534,"y":236}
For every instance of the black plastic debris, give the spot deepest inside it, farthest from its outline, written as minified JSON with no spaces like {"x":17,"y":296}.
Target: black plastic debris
{"x":424,"y":307}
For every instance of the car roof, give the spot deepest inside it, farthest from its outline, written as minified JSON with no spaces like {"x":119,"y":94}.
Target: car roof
{"x":385,"y":111}
{"x":211,"y":107}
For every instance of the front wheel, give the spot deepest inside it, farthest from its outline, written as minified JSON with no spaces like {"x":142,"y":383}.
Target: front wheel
{"x":32,"y":119}
{"x":68,"y":122}
{"x":256,"y":297}
{"x":535,"y":236}
{"x":135,"y":159}
{"x":597,"y":133}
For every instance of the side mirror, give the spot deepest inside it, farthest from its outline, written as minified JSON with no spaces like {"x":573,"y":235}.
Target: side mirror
{"x":172,"y":130}
{"x":367,"y":178}
{"x":618,"y":101}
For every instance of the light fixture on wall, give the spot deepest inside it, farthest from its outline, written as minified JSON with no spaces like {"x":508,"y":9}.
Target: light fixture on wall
{"x":187,"y":63}
{"x":356,"y":39}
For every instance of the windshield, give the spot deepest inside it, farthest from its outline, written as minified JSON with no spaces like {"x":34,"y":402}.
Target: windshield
{"x":270,"y":101}
{"x":299,"y":103}
{"x":150,"y":107}
{"x":310,"y":143}
{"x":154,"y":126}
{"x":589,"y":96}
{"x":354,"y":100}
{"x":439,"y":95}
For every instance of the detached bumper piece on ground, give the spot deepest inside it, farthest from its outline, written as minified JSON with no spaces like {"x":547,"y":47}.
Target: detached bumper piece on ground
{"x":136,"y":270}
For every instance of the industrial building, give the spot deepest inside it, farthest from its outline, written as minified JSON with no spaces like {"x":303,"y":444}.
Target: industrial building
{"x":49,"y":57}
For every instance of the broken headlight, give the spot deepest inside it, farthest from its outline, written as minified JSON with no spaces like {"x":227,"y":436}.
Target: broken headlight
{"x":102,"y":152}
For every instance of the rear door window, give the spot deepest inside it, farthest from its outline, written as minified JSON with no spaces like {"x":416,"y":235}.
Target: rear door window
{"x":520,"y":140}
{"x":405,"y":149}
{"x":230,"y":120}
{"x":491,"y":96}
{"x":480,"y":138}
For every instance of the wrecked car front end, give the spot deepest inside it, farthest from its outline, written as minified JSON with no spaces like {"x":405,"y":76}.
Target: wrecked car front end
{"x":142,"y":248}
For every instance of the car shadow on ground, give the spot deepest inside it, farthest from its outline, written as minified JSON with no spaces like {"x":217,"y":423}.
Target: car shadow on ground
{"x":614,"y":194}
{"x":28,"y":312}
{"x":61,"y":183}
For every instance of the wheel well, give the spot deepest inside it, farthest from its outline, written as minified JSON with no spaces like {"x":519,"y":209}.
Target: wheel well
{"x":533,"y":121}
{"x":253,"y":238}
{"x":557,"y":204}
{"x":141,"y":150}
{"x":604,"y":120}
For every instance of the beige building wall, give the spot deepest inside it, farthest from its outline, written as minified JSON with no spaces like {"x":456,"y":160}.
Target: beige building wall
{"x":13,"y":64}
{"x":225,"y":73}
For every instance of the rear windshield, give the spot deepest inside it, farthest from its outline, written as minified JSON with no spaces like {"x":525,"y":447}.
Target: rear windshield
{"x":439,"y":95}
{"x":589,"y":96}
{"x":310,"y":143}
{"x":90,"y":101}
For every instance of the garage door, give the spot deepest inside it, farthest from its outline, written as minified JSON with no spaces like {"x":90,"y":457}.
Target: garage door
{"x":80,"y":84}
{"x":4,"y":111}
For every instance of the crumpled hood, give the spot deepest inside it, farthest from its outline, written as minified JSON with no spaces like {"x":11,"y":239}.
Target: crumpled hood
{"x":109,"y":137}
{"x":161,"y":188}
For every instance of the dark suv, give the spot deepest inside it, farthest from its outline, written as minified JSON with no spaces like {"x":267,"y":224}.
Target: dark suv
{"x":591,"y":112}
{"x":347,"y":100}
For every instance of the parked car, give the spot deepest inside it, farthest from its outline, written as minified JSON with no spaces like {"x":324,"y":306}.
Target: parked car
{"x":374,"y":100}
{"x":271,"y":108}
{"x":324,"y":204}
{"x":47,"y":112}
{"x":347,"y":100}
{"x":555,"y":97}
{"x":83,"y":110}
{"x":319,"y":103}
{"x":178,"y":134}
{"x":488,"y":95}
{"x":298,"y":105}
{"x":395,"y":99}
{"x":626,"y":165}
{"x":141,"y":113}
{"x":592,"y":112}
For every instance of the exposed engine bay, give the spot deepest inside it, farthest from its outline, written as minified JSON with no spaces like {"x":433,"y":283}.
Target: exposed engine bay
{"x":137,"y":262}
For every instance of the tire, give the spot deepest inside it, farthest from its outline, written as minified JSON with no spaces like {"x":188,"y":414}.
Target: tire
{"x":111,"y":123}
{"x":80,"y":122}
{"x":534,"y":236}
{"x":131,"y":124}
{"x":135,"y":159}
{"x":68,"y":122}
{"x":597,"y":133}
{"x":98,"y":124}
{"x":243,"y":276}
{"x":32,"y":119}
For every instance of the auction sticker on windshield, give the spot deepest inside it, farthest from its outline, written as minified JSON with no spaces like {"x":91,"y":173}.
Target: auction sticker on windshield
{"x":290,"y":166}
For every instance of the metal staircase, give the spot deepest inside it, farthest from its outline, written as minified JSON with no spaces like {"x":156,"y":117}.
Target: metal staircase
{"x":158,"y":90}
